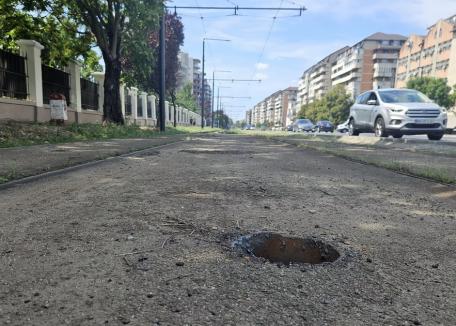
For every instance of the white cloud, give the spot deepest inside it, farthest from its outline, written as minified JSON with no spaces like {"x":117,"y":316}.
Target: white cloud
{"x":260,"y":75}
{"x":260,"y":66}
{"x":421,"y":13}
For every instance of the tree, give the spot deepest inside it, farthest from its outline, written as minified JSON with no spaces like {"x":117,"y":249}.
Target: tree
{"x":174,"y":39}
{"x":435,"y":88}
{"x":186,"y":99}
{"x":63,"y":39}
{"x":112,"y":22}
{"x":333,"y":106}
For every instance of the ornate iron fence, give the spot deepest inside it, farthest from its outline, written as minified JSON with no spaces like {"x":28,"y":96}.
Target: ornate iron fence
{"x":149,"y":109}
{"x":127,"y":103}
{"x":55,"y":81}
{"x":13,"y":77}
{"x":139,"y":107}
{"x":89,"y":94}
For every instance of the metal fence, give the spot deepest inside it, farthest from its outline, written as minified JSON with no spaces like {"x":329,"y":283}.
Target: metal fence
{"x":127,"y":103}
{"x":13,"y":78}
{"x":55,"y":81}
{"x":140,"y":107}
{"x":149,"y":109}
{"x":89,"y":94}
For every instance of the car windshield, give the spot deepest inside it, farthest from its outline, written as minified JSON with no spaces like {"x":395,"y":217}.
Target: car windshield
{"x":403,"y":96}
{"x":303,"y":121}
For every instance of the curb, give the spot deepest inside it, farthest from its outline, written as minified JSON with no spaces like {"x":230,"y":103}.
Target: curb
{"x":36,"y":177}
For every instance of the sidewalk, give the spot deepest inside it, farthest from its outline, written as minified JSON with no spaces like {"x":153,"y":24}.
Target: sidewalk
{"x":20,"y":162}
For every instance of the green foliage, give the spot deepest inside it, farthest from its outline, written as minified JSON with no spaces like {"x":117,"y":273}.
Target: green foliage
{"x":186,"y":99}
{"x":333,"y":106}
{"x":14,"y":134}
{"x":435,"y":88}
{"x":62,"y":37}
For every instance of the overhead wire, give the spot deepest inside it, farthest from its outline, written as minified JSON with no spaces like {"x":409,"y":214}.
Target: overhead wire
{"x":268,"y":36}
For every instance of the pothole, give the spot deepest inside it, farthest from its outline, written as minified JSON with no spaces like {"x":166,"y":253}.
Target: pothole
{"x":276,"y":248}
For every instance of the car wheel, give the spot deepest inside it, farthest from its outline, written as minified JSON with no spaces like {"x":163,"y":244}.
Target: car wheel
{"x":397,"y":136}
{"x":380,"y":128}
{"x":437,"y":136}
{"x":351,"y":128}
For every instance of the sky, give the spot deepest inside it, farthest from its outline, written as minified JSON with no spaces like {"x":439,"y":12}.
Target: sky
{"x":277,"y":51}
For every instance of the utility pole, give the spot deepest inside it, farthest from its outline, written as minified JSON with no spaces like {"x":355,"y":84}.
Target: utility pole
{"x":212,"y":105}
{"x":235,"y":9}
{"x":213,"y":94}
{"x":202,"y":91}
{"x":203,"y":86}
{"x":161,"y":117}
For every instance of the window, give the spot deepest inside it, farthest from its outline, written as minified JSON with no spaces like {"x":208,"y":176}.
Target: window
{"x":372,"y":97}
{"x":363,"y":98}
{"x":403,"y":96}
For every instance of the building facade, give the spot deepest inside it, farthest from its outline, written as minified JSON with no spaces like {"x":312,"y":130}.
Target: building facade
{"x":316,"y":81}
{"x":369,"y":64}
{"x":184,"y":75}
{"x":430,"y":55}
{"x":273,"y":110}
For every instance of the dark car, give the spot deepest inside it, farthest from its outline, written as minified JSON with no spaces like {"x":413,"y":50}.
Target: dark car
{"x":290,"y":128}
{"x":303,"y":125}
{"x":324,"y":125}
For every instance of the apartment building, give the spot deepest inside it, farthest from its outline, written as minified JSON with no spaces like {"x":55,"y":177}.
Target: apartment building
{"x":273,"y":110}
{"x":184,"y":74}
{"x":432,"y":55}
{"x":369,"y":64}
{"x":316,"y":81}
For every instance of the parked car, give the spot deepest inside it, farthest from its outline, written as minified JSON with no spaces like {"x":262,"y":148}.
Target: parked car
{"x":397,"y":112}
{"x":324,"y":125}
{"x":303,"y":125}
{"x":290,"y":128}
{"x":343,"y":127}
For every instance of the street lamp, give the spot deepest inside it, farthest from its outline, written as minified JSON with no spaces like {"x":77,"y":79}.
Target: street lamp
{"x":202,"y":77}
{"x":218,"y":103}
{"x":213,"y":94}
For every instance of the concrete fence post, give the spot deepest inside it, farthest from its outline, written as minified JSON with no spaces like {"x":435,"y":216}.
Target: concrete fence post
{"x":74,"y":68}
{"x":122,"y":99}
{"x":172,"y":114}
{"x":152,"y":100}
{"x":143,"y":98}
{"x":99,"y":78}
{"x":166,"y":111}
{"x":32,"y":50}
{"x":134,"y":103}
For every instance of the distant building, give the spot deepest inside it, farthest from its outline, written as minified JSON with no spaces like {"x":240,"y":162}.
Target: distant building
{"x":185,"y":73}
{"x":197,"y":80}
{"x":273,"y":110}
{"x":248,"y":117}
{"x":430,"y":55}
{"x":369,"y":64}
{"x":316,"y":81}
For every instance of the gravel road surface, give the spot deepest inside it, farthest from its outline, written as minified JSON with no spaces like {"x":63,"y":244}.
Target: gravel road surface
{"x":146,"y":240}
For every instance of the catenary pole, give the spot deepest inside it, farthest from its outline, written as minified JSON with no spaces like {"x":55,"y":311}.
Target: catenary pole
{"x":162,"y":120}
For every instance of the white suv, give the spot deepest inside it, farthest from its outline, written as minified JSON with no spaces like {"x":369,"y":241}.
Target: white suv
{"x":397,"y":112}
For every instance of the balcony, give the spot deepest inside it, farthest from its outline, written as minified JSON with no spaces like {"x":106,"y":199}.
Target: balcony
{"x":346,"y":78}
{"x":385,"y":56}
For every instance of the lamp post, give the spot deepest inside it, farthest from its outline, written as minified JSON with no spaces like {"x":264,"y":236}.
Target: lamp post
{"x":213,"y":94}
{"x":219,"y":103}
{"x":202,"y":76}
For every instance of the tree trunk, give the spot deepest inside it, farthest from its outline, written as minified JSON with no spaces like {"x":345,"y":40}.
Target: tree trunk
{"x":112,"y":108}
